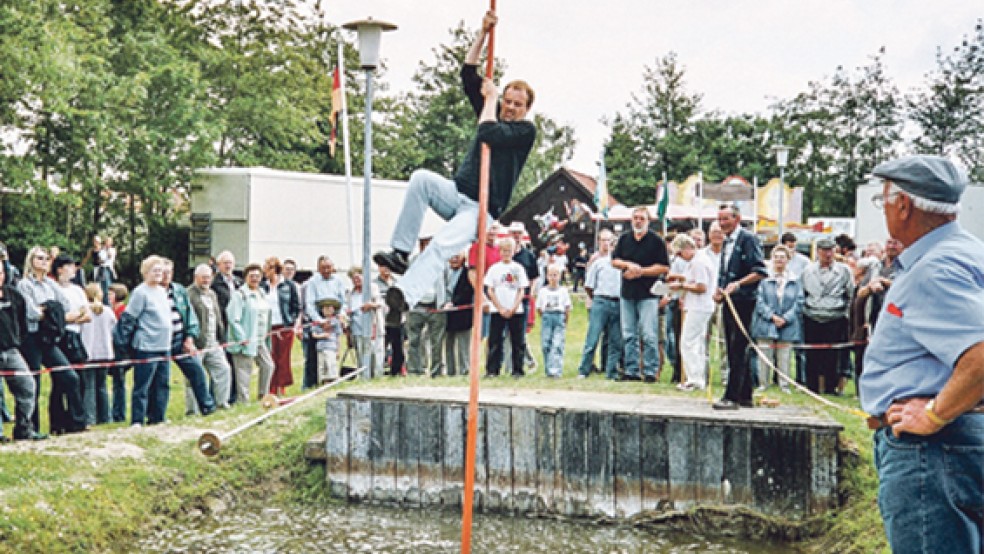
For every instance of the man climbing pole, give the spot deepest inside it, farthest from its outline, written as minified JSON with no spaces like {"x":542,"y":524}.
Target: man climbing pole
{"x":502,"y":125}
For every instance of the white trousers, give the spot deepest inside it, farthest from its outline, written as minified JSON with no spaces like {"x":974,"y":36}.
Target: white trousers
{"x":693,"y":347}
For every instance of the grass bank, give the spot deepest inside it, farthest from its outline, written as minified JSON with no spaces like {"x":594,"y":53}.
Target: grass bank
{"x":98,"y":491}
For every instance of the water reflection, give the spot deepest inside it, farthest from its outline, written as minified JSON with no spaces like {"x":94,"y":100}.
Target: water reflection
{"x":356,"y":528}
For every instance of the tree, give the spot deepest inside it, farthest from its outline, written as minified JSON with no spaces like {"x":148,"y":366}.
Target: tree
{"x":840,"y":129}
{"x":655,"y":135}
{"x":950,"y":111}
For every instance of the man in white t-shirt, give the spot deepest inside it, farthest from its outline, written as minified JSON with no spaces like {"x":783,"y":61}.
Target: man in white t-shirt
{"x":697,"y":283}
{"x":504,"y":284}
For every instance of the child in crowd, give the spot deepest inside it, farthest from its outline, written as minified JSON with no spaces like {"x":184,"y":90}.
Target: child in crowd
{"x":554,"y":304}
{"x":117,"y":296}
{"x":97,"y":336}
{"x":504,"y":283}
{"x":327,"y":342}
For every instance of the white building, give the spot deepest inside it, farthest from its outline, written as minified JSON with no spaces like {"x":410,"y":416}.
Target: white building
{"x":258,"y":212}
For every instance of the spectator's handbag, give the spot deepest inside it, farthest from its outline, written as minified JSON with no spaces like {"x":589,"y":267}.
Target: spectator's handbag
{"x":73,"y":348}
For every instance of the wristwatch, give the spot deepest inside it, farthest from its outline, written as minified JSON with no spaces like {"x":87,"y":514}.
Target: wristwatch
{"x":932,"y":415}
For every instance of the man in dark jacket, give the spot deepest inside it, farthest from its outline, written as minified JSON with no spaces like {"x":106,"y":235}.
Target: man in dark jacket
{"x":503,"y":127}
{"x":224,"y":284}
{"x":742,"y":267}
{"x":13,"y":368}
{"x":211,"y":335}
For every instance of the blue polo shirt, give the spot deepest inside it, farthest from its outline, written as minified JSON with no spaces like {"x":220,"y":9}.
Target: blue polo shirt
{"x":933,"y":312}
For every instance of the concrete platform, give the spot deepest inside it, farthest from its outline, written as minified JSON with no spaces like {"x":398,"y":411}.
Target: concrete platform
{"x":579,"y":453}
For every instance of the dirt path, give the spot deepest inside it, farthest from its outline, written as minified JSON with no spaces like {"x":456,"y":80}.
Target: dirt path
{"x":102,"y":444}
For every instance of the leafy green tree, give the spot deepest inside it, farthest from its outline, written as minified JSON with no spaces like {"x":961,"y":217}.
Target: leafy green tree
{"x":950,"y":110}
{"x":840,"y":129}
{"x":655,"y":135}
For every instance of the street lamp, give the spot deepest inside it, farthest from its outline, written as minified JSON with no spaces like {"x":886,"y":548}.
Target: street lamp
{"x":782,"y":157}
{"x":370,"y":32}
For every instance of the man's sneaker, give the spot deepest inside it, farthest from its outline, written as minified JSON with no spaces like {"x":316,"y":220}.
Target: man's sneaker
{"x":725,"y":404}
{"x":396,"y":261}
{"x":395,"y":301}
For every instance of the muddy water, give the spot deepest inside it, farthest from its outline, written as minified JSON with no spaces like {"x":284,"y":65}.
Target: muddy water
{"x":371,"y":529}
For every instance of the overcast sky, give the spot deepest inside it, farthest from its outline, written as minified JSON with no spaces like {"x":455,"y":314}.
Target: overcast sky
{"x":585,"y":59}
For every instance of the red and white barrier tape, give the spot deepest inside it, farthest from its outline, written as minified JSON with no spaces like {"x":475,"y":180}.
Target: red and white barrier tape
{"x":169,"y":358}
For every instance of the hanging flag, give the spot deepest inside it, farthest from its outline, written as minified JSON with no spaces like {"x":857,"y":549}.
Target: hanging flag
{"x":601,"y":190}
{"x":336,"y":108}
{"x":662,"y":200}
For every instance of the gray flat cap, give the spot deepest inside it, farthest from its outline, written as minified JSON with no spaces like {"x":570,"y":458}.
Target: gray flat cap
{"x":929,"y":177}
{"x":826,"y":243}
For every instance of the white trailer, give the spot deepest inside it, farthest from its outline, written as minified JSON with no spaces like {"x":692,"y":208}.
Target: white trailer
{"x":871,"y":221}
{"x":256,"y":212}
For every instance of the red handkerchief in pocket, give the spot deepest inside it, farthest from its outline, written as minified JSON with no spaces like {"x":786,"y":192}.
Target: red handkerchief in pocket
{"x":893,"y":309}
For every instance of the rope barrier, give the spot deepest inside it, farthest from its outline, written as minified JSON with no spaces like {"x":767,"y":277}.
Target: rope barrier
{"x":210,"y":442}
{"x":788,"y":380}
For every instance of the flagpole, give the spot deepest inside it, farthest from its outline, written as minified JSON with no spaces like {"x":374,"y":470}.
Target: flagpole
{"x":348,"y":159}
{"x":700,"y":200}
{"x":755,"y":204}
{"x":666,"y":193}
{"x":601,"y":202}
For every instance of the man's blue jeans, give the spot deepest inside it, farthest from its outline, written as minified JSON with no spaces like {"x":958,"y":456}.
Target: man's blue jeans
{"x":430,"y":190}
{"x":552,"y":330}
{"x":197,"y":379}
{"x":640,"y":319}
{"x":604,"y":315}
{"x":931,"y":489}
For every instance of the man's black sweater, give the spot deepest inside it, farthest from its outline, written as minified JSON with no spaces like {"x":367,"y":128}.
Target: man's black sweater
{"x":510,"y":141}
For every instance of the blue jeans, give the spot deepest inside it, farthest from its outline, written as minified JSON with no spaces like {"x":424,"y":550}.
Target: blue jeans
{"x":195,"y":374}
{"x":604,"y":315}
{"x":430,"y":190}
{"x":640,"y":319}
{"x":118,"y":374}
{"x":552,"y":330}
{"x":95,"y":398}
{"x":64,"y":386}
{"x":150,"y":379}
{"x":21,"y":386}
{"x":930,"y":491}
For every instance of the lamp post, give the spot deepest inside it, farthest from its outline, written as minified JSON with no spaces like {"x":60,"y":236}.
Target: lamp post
{"x":370,"y":32}
{"x":782,"y":157}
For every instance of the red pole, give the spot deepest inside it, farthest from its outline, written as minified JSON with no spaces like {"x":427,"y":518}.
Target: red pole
{"x":476,"y":336}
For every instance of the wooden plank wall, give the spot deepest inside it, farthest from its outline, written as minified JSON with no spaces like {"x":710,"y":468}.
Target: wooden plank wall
{"x":576,"y":463}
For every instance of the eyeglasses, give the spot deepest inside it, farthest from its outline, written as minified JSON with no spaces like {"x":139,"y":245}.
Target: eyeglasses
{"x":42,"y":257}
{"x":879,"y":200}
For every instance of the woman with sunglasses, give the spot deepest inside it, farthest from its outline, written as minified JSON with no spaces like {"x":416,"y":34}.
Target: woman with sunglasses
{"x":39,"y":349}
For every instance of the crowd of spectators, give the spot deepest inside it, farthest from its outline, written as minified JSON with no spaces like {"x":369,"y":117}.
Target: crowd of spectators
{"x":653,"y":300}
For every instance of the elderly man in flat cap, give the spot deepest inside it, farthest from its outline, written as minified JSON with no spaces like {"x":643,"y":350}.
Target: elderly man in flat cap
{"x":923,"y":381}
